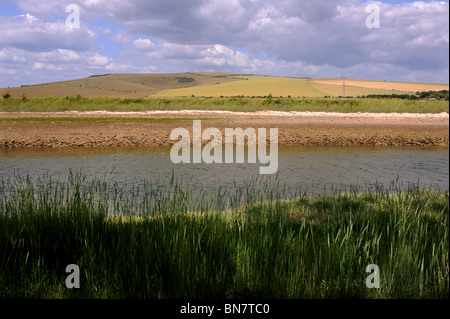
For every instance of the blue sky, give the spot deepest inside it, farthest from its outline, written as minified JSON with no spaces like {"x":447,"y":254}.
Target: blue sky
{"x":305,"y":38}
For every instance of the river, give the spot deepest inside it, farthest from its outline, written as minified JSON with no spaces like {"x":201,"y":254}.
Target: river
{"x":311,"y":169}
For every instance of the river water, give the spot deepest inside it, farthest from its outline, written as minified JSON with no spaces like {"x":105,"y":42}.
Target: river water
{"x":311,"y":169}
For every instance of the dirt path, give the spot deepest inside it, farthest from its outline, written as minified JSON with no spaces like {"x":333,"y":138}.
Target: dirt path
{"x":91,"y":129}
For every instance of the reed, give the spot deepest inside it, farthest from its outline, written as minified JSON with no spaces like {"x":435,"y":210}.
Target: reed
{"x":259,"y":240}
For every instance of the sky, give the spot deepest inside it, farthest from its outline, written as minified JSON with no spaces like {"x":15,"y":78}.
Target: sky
{"x":374,"y":40}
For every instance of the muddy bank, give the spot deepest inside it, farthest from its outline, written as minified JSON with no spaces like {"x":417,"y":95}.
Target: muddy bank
{"x":312,"y":129}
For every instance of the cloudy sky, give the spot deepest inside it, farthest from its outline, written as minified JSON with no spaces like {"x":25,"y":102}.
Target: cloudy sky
{"x":304,"y":38}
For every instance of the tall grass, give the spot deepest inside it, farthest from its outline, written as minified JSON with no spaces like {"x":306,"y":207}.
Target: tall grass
{"x":231,"y":104}
{"x":248,"y":242}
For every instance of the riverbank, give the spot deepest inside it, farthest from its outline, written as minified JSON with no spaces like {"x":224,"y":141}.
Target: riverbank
{"x":153,"y":128}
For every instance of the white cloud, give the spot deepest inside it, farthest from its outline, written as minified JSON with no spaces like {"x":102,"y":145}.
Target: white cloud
{"x":121,"y":37}
{"x":316,"y":32}
{"x":144,"y":44}
{"x":11,"y":56}
{"x":116,"y":67}
{"x":47,"y":67}
{"x":38,"y":66}
{"x":33,"y":34}
{"x":61,"y":56}
{"x":289,"y":37}
{"x":42,"y":9}
{"x":97,"y":60}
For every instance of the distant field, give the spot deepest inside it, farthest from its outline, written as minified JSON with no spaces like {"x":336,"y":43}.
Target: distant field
{"x":337,"y":90}
{"x":385,"y":85}
{"x":296,"y":87}
{"x":250,"y":86}
{"x":213,"y":84}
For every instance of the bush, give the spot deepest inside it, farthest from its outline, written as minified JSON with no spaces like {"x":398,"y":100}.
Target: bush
{"x":185,"y":79}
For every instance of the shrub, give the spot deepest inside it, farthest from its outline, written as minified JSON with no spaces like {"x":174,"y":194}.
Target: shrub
{"x":185,"y":79}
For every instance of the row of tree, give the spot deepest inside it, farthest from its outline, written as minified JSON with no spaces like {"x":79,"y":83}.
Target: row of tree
{"x":443,"y":94}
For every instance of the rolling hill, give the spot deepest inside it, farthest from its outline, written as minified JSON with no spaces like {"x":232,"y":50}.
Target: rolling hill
{"x":118,"y":85}
{"x":209,"y":84}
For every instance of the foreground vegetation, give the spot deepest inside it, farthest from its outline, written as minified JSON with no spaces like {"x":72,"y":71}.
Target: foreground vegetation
{"x":167,"y":242}
{"x":243,"y":104}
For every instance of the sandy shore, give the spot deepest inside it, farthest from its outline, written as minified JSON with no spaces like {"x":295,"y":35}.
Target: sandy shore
{"x":27,"y":129}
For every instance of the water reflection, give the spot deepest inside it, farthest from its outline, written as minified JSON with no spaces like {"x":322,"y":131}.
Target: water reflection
{"x":309,"y":168}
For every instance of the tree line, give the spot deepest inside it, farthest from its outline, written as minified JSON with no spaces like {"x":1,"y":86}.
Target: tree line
{"x":443,"y":94}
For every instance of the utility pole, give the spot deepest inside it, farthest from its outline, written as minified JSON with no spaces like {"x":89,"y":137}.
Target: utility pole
{"x":86,"y":88}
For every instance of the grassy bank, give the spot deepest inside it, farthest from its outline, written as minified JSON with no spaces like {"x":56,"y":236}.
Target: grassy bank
{"x":164,"y":243}
{"x":229,"y":104}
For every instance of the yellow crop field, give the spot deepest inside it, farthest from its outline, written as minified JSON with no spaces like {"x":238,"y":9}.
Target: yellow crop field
{"x":386,"y":85}
{"x":249,"y":85}
{"x":337,"y":89}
